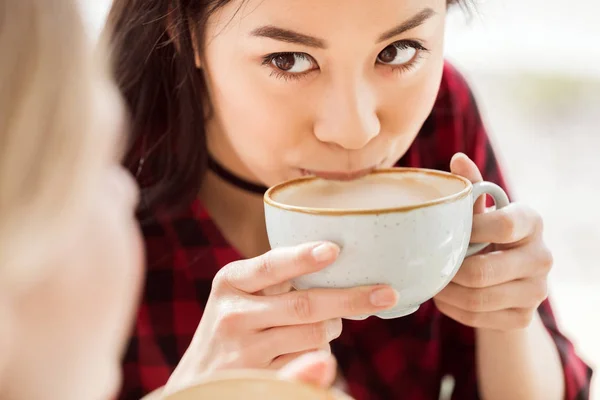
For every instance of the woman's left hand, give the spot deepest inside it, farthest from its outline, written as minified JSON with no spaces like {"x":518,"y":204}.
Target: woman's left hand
{"x":500,"y":288}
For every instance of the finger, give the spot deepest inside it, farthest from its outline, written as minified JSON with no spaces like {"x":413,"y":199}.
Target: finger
{"x":490,"y":269}
{"x":298,"y":338}
{"x":527,"y":293}
{"x":326,"y":348}
{"x":277,"y":289}
{"x":315,"y":368}
{"x":504,"y":320}
{"x":314,"y":305}
{"x":511,"y":224}
{"x":281,"y":361}
{"x":277,"y":266}
{"x":465,"y":167}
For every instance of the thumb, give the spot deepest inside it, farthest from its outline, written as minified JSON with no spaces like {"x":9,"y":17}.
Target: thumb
{"x":316,"y":368}
{"x":465,"y":167}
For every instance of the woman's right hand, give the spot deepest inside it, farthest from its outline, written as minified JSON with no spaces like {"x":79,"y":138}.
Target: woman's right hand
{"x":253,"y":318}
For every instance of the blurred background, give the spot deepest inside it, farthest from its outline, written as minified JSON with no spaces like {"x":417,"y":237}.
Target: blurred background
{"x":535,"y":68}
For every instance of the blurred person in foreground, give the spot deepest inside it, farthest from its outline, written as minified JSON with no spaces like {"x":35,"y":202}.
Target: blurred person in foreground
{"x":71,"y":259}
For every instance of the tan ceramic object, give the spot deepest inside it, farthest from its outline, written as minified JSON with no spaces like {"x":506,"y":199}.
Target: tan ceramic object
{"x":253,"y":385}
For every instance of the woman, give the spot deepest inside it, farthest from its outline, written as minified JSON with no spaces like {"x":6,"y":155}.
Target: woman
{"x":231,"y":96}
{"x":70,"y":249}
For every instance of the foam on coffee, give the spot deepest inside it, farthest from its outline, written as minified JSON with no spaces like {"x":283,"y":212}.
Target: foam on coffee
{"x":376,"y":191}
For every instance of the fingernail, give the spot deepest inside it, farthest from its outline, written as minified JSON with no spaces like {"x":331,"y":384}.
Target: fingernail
{"x":325,"y":252}
{"x":384,"y":297}
{"x":333,"y":328}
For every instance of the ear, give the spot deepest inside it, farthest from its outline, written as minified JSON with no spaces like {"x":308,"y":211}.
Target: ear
{"x":170,"y":19}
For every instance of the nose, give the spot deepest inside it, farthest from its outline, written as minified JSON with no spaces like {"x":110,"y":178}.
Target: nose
{"x":348,"y":115}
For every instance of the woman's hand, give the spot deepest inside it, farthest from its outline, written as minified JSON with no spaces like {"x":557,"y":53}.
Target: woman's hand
{"x":500,"y":289}
{"x":254,"y":320}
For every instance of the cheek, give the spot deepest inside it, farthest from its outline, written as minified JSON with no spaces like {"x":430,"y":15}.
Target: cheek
{"x":258,"y":116}
{"x":79,"y":316}
{"x":407,"y":108}
{"x":122,"y":269}
{"x":106,"y":267}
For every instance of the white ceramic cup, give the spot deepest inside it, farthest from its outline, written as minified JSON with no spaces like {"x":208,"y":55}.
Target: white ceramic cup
{"x":416,"y":248}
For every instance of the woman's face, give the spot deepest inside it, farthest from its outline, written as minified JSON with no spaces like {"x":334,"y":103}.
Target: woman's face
{"x":70,"y":328}
{"x":332,"y":88}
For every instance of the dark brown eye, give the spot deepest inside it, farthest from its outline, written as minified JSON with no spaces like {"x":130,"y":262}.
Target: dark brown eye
{"x":388,"y":55}
{"x":284,"y":62}
{"x":292,"y":63}
{"x":400,"y":53}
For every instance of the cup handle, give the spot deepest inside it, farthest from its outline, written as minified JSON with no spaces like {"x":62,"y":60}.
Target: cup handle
{"x":501,"y":200}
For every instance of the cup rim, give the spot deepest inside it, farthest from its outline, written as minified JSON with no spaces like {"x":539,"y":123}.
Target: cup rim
{"x":251,"y":374}
{"x":269,"y":194}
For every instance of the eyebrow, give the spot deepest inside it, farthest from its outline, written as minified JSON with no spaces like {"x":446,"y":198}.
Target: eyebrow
{"x":407,"y":25}
{"x":289,"y":36}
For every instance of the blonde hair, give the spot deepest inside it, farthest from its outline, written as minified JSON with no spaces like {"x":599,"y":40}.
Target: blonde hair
{"x":46,"y":146}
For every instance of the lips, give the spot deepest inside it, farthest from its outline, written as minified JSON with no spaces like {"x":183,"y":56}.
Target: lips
{"x":339,"y":175}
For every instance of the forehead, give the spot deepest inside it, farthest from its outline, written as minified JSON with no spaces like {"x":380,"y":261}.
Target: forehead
{"x":322,"y":18}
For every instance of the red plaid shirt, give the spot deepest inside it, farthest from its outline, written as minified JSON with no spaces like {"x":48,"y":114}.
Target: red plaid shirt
{"x":404,"y":358}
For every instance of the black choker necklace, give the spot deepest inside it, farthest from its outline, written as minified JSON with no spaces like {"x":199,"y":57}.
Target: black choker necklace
{"x":234,"y":180}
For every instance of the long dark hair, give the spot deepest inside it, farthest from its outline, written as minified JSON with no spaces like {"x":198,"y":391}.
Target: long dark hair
{"x":153,"y":63}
